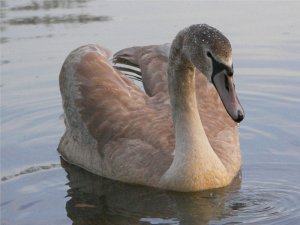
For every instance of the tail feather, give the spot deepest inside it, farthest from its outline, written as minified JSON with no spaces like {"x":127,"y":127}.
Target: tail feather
{"x":131,"y":73}
{"x":126,"y":61}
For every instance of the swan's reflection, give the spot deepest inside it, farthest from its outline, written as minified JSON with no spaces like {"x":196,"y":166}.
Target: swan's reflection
{"x":97,"y":200}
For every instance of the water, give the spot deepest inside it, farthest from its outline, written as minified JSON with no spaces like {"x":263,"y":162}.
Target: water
{"x":37,"y":188}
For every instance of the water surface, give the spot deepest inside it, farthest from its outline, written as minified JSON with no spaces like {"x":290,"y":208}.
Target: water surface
{"x":37,"y":188}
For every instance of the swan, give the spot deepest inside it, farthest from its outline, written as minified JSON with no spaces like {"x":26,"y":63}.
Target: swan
{"x":179,"y":134}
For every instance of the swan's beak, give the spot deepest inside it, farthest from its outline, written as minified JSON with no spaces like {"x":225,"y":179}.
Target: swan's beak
{"x":225,"y":87}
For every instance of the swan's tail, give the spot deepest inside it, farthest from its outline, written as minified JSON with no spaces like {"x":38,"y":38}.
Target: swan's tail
{"x":147,"y":64}
{"x":127,"y":61}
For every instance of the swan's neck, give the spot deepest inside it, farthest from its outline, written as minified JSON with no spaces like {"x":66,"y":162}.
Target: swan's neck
{"x":195,"y":165}
{"x":192,"y":145}
{"x":189,"y":132}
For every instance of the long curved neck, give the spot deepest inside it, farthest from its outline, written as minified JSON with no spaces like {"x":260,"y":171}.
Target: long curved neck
{"x":191,"y":139}
{"x":195,"y":166}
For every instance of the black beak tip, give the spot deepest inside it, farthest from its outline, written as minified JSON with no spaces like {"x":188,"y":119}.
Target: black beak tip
{"x":240,"y":116}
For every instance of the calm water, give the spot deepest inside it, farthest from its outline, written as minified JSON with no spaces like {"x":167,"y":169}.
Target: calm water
{"x":37,"y":188}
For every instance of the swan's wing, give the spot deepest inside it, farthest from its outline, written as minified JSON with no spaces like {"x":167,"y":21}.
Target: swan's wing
{"x":152,"y":61}
{"x":131,"y":129}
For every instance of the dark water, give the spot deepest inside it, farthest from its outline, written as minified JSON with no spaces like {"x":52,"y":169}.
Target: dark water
{"x":37,"y":189}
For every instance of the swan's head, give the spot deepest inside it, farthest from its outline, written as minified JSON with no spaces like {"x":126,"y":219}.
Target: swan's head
{"x":210,"y":52}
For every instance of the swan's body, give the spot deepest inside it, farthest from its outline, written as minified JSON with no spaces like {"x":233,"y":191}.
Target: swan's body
{"x":115,"y":130}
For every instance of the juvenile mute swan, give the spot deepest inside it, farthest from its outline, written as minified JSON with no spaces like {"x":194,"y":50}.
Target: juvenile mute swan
{"x":177,"y":134}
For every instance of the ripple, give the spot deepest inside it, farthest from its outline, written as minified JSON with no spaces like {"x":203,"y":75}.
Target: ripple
{"x":161,"y":221}
{"x":30,"y":170}
{"x":267,"y":204}
{"x":47,"y":5}
{"x":30,"y":109}
{"x":35,"y":20}
{"x":265,"y":198}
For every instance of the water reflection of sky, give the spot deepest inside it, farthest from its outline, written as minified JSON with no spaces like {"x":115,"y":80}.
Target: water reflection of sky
{"x":37,"y":35}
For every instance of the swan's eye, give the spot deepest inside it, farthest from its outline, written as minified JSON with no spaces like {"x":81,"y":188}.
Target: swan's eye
{"x":209,"y":55}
